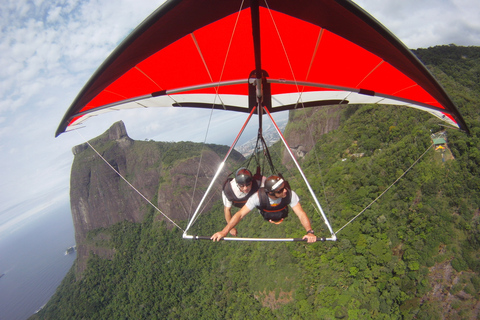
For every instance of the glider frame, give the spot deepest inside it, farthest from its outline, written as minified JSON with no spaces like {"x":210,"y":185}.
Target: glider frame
{"x":220,"y":167}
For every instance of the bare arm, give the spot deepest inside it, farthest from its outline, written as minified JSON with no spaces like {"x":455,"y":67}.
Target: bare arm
{"x":302,"y":216}
{"x":231,"y":224}
{"x":228,"y":216}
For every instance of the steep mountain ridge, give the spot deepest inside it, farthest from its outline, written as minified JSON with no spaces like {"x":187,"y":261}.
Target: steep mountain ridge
{"x":163,"y":173}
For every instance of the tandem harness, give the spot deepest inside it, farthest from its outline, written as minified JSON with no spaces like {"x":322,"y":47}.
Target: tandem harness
{"x":230,"y":195}
{"x":273,"y":212}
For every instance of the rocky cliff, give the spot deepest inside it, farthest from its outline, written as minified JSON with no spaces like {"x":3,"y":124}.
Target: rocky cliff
{"x":164,"y":173}
{"x":307,"y":125}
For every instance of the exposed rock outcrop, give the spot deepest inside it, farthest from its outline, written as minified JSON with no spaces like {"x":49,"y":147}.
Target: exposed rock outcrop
{"x":306,"y":126}
{"x":164,"y":173}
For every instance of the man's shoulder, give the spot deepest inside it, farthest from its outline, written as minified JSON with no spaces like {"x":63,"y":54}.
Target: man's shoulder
{"x":255,"y":195}
{"x":254,"y":198}
{"x":229,"y":183}
{"x":294,"y":198}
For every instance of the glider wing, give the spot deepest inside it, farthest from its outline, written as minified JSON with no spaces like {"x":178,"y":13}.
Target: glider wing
{"x":191,"y":53}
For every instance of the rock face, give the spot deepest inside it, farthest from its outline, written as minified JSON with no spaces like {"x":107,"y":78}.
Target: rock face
{"x":306,"y":126}
{"x":164,"y":173}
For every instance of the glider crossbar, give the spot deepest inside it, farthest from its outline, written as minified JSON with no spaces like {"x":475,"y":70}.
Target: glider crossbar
{"x":303,"y":175}
{"x":258,"y":239}
{"x":219,"y":170}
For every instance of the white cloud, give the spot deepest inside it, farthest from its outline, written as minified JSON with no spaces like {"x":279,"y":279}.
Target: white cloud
{"x":428,"y":22}
{"x":54,"y":15}
{"x":49,"y":49}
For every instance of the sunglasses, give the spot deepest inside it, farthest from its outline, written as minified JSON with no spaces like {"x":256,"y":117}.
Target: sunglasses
{"x":244,"y":185}
{"x":279,"y":190}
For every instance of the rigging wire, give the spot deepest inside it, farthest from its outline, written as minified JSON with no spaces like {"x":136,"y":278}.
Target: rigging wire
{"x":384,"y":191}
{"x":311,"y":131}
{"x":300,"y":94}
{"x":216,"y":96}
{"x":260,"y":146}
{"x":128,"y":183}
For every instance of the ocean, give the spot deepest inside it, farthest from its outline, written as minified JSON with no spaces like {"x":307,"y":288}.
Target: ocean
{"x":33,"y":262}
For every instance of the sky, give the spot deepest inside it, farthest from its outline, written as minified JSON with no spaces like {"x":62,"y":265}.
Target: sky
{"x":50,"y":48}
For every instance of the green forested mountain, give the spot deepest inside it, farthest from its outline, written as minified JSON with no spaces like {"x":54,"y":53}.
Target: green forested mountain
{"x":414,"y":254}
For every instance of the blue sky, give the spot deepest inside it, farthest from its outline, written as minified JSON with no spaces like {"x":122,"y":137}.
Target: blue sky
{"x":49,"y":49}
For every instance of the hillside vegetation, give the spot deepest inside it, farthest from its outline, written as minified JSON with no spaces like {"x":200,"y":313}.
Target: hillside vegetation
{"x":414,"y":254}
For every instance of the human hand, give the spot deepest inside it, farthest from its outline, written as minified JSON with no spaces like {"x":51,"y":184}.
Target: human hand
{"x":311,"y":238}
{"x":233,"y":232}
{"x":217,"y":236}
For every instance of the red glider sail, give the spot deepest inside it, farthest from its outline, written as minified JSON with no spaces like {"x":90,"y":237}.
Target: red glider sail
{"x":192,"y":53}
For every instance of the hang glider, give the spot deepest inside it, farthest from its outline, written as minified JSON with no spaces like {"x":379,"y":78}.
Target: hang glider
{"x":221,"y":54}
{"x":260,"y":57}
